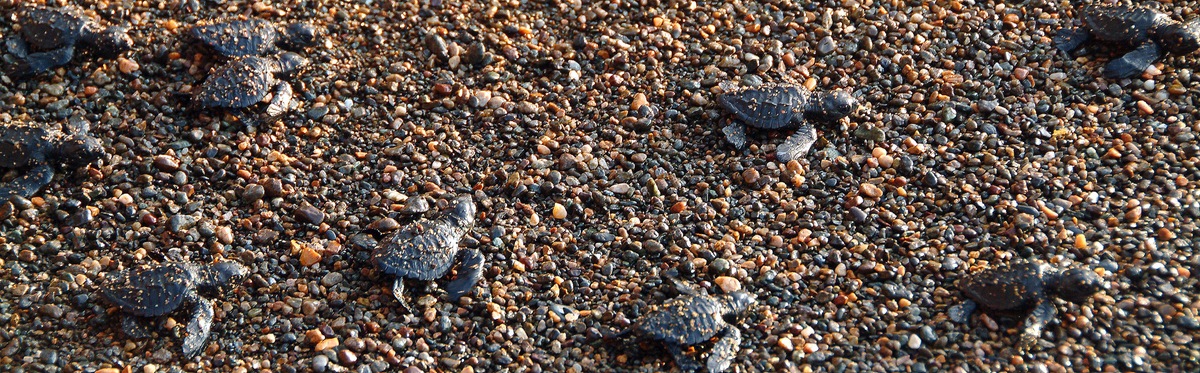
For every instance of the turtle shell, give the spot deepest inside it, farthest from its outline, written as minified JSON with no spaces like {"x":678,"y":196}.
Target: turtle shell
{"x":252,"y":37}
{"x":151,"y":291}
{"x":766,"y":107}
{"x":1121,"y":23}
{"x":22,"y":145}
{"x":1014,"y":288}
{"x":238,"y":84}
{"x":46,"y":29}
{"x":421,"y":252}
{"x":686,"y":320}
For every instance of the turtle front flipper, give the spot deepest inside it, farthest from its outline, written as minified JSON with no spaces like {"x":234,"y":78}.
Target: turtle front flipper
{"x":36,"y":63}
{"x":1068,"y":40}
{"x":28,"y":184}
{"x":135,"y":327}
{"x":735,"y":133}
{"x":1134,"y":62}
{"x":961,"y":313}
{"x":199,"y":327}
{"x":724,"y":350}
{"x":281,"y":100}
{"x":686,"y":363}
{"x":1037,"y":321}
{"x":797,"y":144}
{"x":470,"y":270}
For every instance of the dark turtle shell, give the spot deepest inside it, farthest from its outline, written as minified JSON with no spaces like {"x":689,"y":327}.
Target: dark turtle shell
{"x":1013,"y":288}
{"x":238,"y":84}
{"x":766,"y":107}
{"x":423,"y":252}
{"x":46,"y":28}
{"x":251,"y":37}
{"x":1122,"y":23}
{"x":686,"y":320}
{"x":152,"y":291}
{"x":23,"y":145}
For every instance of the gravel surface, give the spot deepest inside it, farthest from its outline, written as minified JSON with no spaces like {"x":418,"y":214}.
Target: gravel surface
{"x":588,"y":134}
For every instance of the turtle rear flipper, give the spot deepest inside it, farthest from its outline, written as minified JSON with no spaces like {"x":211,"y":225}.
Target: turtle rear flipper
{"x":28,"y":184}
{"x":36,"y":63}
{"x":398,"y":292}
{"x":471,"y":264}
{"x":198,"y":329}
{"x":1068,"y":40}
{"x":724,"y":350}
{"x":17,"y":46}
{"x":797,"y":144}
{"x":1134,"y":62}
{"x":686,"y":362}
{"x":735,"y":133}
{"x":135,"y":327}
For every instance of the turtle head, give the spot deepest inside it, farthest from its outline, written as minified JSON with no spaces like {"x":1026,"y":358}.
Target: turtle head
{"x":299,"y":35}
{"x":290,"y":62}
{"x":220,"y":274}
{"x":1077,"y":285}
{"x":1181,"y":38}
{"x":79,"y":150}
{"x":111,"y":42}
{"x":833,"y":106}
{"x":463,"y":212}
{"x":737,"y":302}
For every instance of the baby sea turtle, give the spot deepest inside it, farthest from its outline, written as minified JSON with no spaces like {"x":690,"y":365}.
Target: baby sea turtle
{"x":35,"y":149}
{"x":254,"y":37}
{"x":156,"y":291}
{"x":778,"y":106}
{"x":1021,"y":289}
{"x":692,"y":319}
{"x":427,"y":250}
{"x":48,"y":37}
{"x":247,"y":81}
{"x":1149,"y":31}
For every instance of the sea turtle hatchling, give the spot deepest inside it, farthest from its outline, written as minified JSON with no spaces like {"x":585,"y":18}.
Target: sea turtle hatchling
{"x":1149,"y":31}
{"x":159,"y":290}
{"x":1021,"y":290}
{"x":247,"y":81}
{"x":427,"y":250}
{"x":34,"y":150}
{"x":48,"y":38}
{"x":692,"y":319}
{"x":777,"y":106}
{"x":253,"y":37}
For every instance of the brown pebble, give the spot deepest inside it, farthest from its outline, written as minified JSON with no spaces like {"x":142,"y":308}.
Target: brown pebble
{"x":347,"y":357}
{"x":559,"y":212}
{"x":639,"y":100}
{"x":786,"y":344}
{"x":870,"y":190}
{"x":384,"y":225}
{"x":326,"y":344}
{"x":309,"y":214}
{"x":750,"y":176}
{"x":308,"y":256}
{"x":314,"y":336}
{"x":166,"y":163}
{"x":1144,"y":108}
{"x":678,"y":207}
{"x":126,"y":65}
{"x":728,"y":284}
